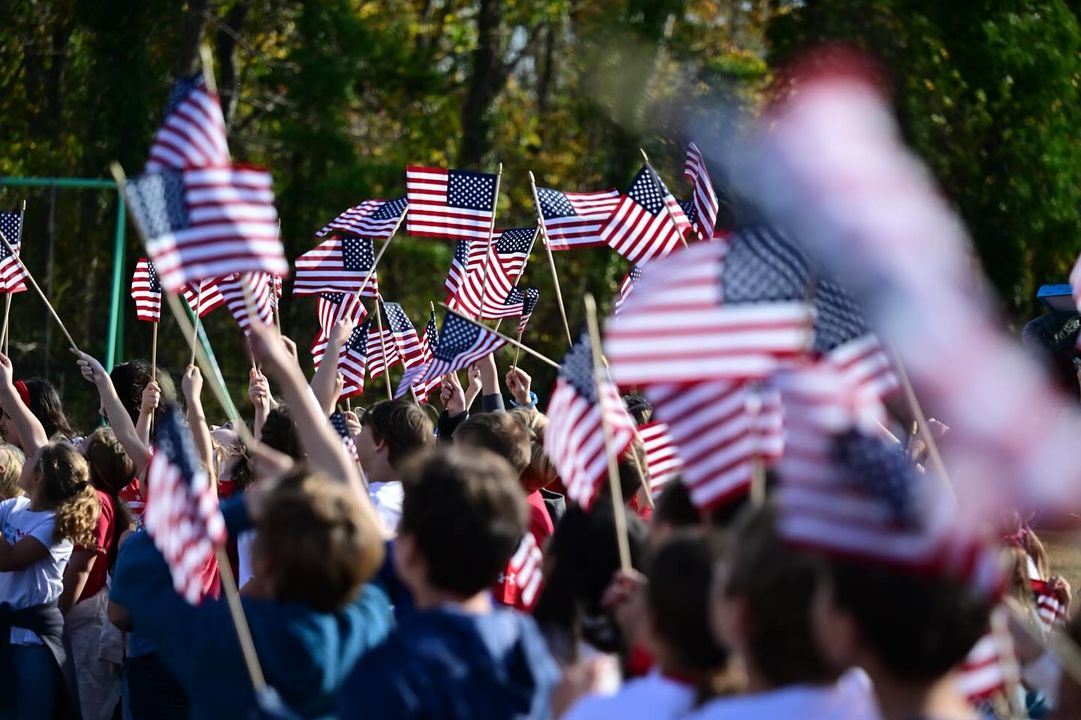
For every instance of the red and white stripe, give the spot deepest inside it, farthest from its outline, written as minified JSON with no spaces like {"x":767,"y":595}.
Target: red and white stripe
{"x":203,"y":296}
{"x":192,"y":135}
{"x":430,"y":215}
{"x":147,"y":301}
{"x":358,"y":221}
{"x":1049,"y":608}
{"x":489,"y":277}
{"x":321,"y":270}
{"x":865,"y":363}
{"x":662,"y":455}
{"x":980,"y":675}
{"x":676,"y":327}
{"x":524,"y":573}
{"x":584,"y":229}
{"x":704,"y":196}
{"x":232,"y":228}
{"x":382,"y":352}
{"x":246,"y":294}
{"x":329,"y":315}
{"x":640,"y":236}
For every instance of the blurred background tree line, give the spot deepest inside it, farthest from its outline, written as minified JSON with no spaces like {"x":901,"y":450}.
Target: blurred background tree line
{"x":337,"y":96}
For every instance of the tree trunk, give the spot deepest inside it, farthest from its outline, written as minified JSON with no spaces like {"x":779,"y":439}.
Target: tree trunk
{"x":187,"y":61}
{"x":485,"y":82}
{"x":227,"y":41}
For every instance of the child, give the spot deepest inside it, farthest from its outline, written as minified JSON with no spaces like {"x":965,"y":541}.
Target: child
{"x":456,"y":656}
{"x":58,"y":507}
{"x":310,"y":610}
{"x":11,"y":467}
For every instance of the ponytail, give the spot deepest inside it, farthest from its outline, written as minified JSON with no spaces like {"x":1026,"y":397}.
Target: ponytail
{"x":77,"y":517}
{"x":67,"y":485}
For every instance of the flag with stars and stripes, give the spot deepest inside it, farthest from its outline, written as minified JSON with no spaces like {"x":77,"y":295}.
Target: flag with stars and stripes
{"x":626,"y":288}
{"x":414,"y":375}
{"x":207,"y":222}
{"x":12,"y":271}
{"x":648,"y":223}
{"x":451,"y":204}
{"x":337,"y":421}
{"x":193,"y":132}
{"x":662,"y":455}
{"x":371,"y":219}
{"x":146,"y":291}
{"x":382,"y":351}
{"x":576,"y":219}
{"x":331,"y":308}
{"x":461,"y":343}
{"x":249,"y":298}
{"x":529,"y":304}
{"x":459,"y":265}
{"x":981,"y":674}
{"x":491,"y":273}
{"x":574,"y":439}
{"x":520,"y":582}
{"x":182,"y":515}
{"x":353,"y":360}
{"x":338,"y":264}
{"x":404,"y":335}
{"x":1049,"y":608}
{"x":703,"y":198}
{"x":203,"y":296}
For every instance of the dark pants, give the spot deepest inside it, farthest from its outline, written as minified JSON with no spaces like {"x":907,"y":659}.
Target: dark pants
{"x":29,"y":680}
{"x":153,"y":692}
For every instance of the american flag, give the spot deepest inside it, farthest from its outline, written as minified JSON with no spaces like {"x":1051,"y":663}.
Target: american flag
{"x":461,"y":343}
{"x":630,"y":280}
{"x":338,"y":264}
{"x":523,"y":574}
{"x":452,"y":204}
{"x":459,"y":266}
{"x":146,"y":291}
{"x":1049,"y":608}
{"x":331,"y":308}
{"x":372,"y":219}
{"x":353,"y":360}
{"x":704,"y":198}
{"x":981,"y":674}
{"x":700,"y":316}
{"x":404,"y":335}
{"x":662,"y":455}
{"x":847,"y":493}
{"x":414,"y":374}
{"x":208,"y":222}
{"x":337,"y":421}
{"x":193,"y":132}
{"x":506,"y":259}
{"x":575,"y":220}
{"x":574,"y":439}
{"x":529,"y":304}
{"x":203,"y":296}
{"x":648,"y":223}
{"x":258,"y":288}
{"x":12,"y":271}
{"x":382,"y":351}
{"x":722,"y":429}
{"x":182,"y":514}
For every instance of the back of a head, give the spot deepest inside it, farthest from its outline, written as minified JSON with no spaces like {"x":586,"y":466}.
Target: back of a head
{"x":280,"y":434}
{"x":777,"y":585}
{"x":466,"y":513}
{"x":540,"y":473}
{"x":47,"y":407}
{"x":111,"y":468}
{"x":66,"y":479}
{"x":917,"y":626}
{"x":403,"y":426}
{"x":130,"y":380}
{"x":503,"y":433}
{"x":11,"y":466}
{"x":318,"y":542}
{"x":680,"y":576}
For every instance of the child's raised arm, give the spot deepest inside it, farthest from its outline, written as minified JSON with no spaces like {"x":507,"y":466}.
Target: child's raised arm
{"x":31,"y":433}
{"x":325,"y":382}
{"x":119,"y":420}
{"x":148,"y":404}
{"x":192,"y":385}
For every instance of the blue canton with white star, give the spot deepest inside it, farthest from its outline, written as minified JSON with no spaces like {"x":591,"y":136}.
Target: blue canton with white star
{"x":515,"y":240}
{"x":883,"y":469}
{"x":358,"y":339}
{"x":689,"y":210}
{"x":577,"y":368}
{"x":152,"y":275}
{"x":470,"y":190}
{"x":390,"y":210}
{"x":181,"y":89}
{"x":334,"y":298}
{"x":554,"y":204}
{"x":457,"y":336}
{"x":357,"y":254}
{"x":158,"y":201}
{"x":11,"y":223}
{"x":647,"y":190}
{"x":395,"y":317}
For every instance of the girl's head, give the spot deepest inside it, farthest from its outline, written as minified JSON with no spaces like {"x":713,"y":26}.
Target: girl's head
{"x":111,"y":468}
{"x":11,"y":466}
{"x":44,"y":402}
{"x":58,"y":478}
{"x":131,"y":378}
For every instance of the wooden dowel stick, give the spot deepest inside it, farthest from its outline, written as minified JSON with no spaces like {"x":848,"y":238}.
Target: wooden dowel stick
{"x":7,"y":314}
{"x":618,"y":510}
{"x":491,"y":240}
{"x":154,"y":353}
{"x":551,"y":260}
{"x":510,"y":340}
{"x":41,"y":294}
{"x":198,"y":320}
{"x":383,"y":348}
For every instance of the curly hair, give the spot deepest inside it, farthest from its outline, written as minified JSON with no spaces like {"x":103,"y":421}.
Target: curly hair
{"x":67,"y":486}
{"x":11,"y":462}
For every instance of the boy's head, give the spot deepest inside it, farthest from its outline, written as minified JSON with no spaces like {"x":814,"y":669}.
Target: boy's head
{"x":392,"y":431}
{"x":463,"y":515}
{"x":503,"y":433}
{"x":280,"y":434}
{"x":762,"y":599}
{"x":540,"y":473}
{"x":316,"y":543}
{"x":675,"y":510}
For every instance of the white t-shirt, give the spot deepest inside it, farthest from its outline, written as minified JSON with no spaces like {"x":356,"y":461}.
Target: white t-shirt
{"x":387,"y":498}
{"x":244,"y":542}
{"x":43,"y":581}
{"x":850,"y":698}
{"x":653,"y":697}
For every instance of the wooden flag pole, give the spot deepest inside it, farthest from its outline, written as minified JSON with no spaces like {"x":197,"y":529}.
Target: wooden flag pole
{"x":618,"y":510}
{"x":383,"y":348}
{"x":198,"y":320}
{"x":551,"y":259}
{"x":510,"y":340}
{"x":659,"y":187}
{"x":41,"y":294}
{"x":211,"y":371}
{"x":517,"y":349}
{"x":922,"y":427}
{"x":491,"y":239}
{"x":154,"y":353}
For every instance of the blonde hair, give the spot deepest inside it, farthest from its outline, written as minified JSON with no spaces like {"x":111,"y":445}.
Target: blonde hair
{"x":67,"y":485}
{"x":540,"y":472}
{"x":11,"y":460}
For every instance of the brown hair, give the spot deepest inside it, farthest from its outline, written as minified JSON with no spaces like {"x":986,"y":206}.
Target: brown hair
{"x":111,"y":470}
{"x":402,"y":425}
{"x":778,"y":585}
{"x":321,"y":543}
{"x":67,"y":487}
{"x":540,"y":473}
{"x":505,"y":434}
{"x":11,"y":458}
{"x":467,"y":514}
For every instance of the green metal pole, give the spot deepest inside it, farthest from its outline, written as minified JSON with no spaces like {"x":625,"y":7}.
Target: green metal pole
{"x":114,"y":343}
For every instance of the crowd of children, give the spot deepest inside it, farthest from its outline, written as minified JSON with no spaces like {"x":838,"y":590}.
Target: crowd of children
{"x":382,"y":578}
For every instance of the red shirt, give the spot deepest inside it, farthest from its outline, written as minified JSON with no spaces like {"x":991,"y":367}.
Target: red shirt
{"x":132,"y":494}
{"x":104,"y":538}
{"x":540,"y":522}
